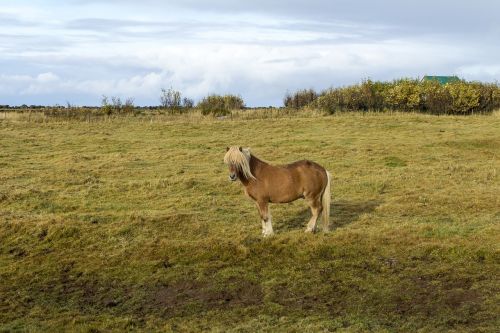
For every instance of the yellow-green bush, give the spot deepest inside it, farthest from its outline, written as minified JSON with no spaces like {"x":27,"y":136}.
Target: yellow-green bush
{"x":464,"y":97}
{"x":372,"y":94}
{"x":330,"y":101}
{"x":489,"y":96}
{"x":369,"y":95}
{"x":496,"y":98}
{"x":434,"y":97}
{"x":232,"y":102}
{"x":300,"y":98}
{"x":412,"y":95}
{"x":219,"y":105}
{"x":404,"y":95}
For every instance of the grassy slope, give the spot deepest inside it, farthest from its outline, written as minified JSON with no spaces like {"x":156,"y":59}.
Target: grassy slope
{"x":133,"y":225}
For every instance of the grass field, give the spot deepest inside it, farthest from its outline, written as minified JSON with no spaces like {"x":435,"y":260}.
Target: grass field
{"x":133,"y":225}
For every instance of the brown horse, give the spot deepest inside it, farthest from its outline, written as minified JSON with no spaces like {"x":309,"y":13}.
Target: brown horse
{"x":265,"y":183}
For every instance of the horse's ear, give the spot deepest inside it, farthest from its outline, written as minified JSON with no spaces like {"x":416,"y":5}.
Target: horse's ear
{"x":241,"y":149}
{"x":227,"y":148}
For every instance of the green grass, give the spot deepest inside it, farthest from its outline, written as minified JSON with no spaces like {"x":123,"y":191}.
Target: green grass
{"x":128,"y":225}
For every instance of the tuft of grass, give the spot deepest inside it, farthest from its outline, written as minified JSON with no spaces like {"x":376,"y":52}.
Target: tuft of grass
{"x":394,"y":162}
{"x":130,"y":224}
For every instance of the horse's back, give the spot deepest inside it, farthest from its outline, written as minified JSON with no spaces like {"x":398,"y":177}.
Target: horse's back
{"x":304,"y":164}
{"x":309,"y":174}
{"x":306,"y":168}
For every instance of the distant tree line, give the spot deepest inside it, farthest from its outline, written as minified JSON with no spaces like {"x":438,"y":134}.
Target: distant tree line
{"x":171,"y":101}
{"x":405,"y":95}
{"x":218,"y":105}
{"x":115,"y":105}
{"x":300,"y":98}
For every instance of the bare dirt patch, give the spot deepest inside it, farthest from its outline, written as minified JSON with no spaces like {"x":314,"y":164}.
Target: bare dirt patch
{"x":185,"y":295}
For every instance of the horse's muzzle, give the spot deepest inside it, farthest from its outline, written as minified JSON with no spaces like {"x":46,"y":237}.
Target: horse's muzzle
{"x":233,"y":177}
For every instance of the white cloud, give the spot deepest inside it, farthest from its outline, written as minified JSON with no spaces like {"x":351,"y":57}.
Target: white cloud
{"x":81,"y":50}
{"x":199,"y":69}
{"x":491,"y":72}
{"x":47,"y":77}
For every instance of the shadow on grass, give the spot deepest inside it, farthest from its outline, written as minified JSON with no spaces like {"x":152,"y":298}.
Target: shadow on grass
{"x":342,"y":213}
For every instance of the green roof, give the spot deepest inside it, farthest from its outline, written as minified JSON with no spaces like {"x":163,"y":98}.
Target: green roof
{"x":441,"y":79}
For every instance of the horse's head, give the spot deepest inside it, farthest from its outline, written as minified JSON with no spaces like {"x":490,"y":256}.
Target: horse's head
{"x":238,"y":161}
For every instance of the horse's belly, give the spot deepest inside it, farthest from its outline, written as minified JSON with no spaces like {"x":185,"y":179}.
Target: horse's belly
{"x":284,"y":197}
{"x":285,"y":189}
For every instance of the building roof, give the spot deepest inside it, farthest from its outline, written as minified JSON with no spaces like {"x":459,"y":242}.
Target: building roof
{"x":441,"y":79}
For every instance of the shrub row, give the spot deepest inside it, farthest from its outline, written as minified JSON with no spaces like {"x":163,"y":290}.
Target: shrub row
{"x":115,"y":106}
{"x":459,"y":97}
{"x":300,"y":98}
{"x":220,"y":105}
{"x":172,"y":101}
{"x":217,"y":105}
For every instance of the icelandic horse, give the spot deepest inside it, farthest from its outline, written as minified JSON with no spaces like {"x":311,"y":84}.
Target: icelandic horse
{"x":266,"y":183}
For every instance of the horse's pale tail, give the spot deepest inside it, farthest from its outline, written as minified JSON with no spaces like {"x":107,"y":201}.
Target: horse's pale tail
{"x":325,"y":201}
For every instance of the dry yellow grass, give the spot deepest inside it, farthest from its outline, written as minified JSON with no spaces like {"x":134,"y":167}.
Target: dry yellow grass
{"x":131,"y":224}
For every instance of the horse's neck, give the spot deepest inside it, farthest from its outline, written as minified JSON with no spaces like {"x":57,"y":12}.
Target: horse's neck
{"x":256,"y":166}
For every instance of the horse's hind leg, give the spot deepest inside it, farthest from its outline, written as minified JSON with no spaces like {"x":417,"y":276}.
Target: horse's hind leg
{"x":265,"y":216}
{"x":316,"y":209}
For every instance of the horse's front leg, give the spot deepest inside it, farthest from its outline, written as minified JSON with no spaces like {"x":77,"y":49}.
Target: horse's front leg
{"x":265,"y":216}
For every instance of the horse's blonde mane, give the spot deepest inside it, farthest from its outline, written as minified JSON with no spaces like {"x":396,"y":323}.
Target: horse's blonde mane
{"x":240,"y":159}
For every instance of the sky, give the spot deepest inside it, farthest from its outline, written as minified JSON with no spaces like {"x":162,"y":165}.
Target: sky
{"x":75,"y":51}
